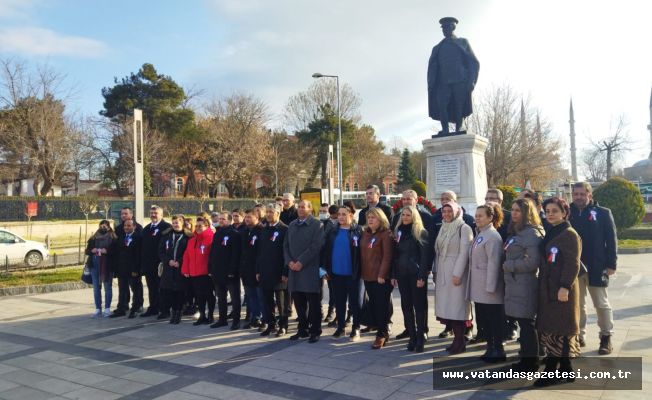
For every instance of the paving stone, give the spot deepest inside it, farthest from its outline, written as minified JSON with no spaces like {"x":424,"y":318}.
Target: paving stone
{"x":24,"y":393}
{"x":88,"y":393}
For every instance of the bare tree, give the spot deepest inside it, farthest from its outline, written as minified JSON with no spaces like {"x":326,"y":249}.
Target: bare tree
{"x":35,"y":132}
{"x":594,"y":164}
{"x":521,"y":146}
{"x":614,"y":145}
{"x":305,"y":107}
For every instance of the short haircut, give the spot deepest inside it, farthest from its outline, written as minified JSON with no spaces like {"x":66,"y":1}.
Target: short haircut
{"x":583,"y":185}
{"x":228,"y":215}
{"x":375,"y":188}
{"x":155,"y":207}
{"x":288,"y":195}
{"x":323,"y":205}
{"x":410,"y":193}
{"x":237,"y":211}
{"x":559,"y":202}
{"x":308,"y":204}
{"x":278,"y":198}
{"x":178,"y":216}
{"x":249,"y":211}
{"x":130,"y":221}
{"x":333,"y":209}
{"x":497,"y":192}
{"x":127,"y":208}
{"x":274,"y":207}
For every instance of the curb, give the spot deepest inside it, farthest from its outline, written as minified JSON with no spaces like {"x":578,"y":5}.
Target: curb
{"x":40,"y":289}
{"x":640,"y":250}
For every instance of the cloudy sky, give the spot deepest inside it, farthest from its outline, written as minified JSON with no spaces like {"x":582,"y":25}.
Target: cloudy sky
{"x":593,"y":51}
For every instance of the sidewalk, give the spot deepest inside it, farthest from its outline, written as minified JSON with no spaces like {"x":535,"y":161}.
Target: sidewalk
{"x":50,"y":348}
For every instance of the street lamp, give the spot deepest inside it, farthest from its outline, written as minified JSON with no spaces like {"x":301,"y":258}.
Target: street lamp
{"x":317,"y":75}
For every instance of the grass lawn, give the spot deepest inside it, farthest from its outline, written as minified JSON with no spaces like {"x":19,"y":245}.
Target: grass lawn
{"x":40,"y":277}
{"x":634,"y":243}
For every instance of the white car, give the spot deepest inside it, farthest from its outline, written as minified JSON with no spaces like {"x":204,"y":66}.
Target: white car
{"x":16,"y":250}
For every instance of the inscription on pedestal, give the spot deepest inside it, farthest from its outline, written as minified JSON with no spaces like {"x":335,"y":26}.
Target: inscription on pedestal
{"x":447,"y":174}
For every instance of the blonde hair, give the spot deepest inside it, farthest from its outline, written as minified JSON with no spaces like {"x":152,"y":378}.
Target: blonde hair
{"x":380,"y":215}
{"x":417,"y":223}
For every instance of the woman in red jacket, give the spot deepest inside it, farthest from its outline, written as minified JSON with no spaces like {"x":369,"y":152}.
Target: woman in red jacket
{"x":195,"y":267}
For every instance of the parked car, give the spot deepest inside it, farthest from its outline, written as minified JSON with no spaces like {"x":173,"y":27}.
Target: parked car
{"x":16,"y":250}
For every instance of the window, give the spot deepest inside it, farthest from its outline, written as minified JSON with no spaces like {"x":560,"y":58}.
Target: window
{"x":179,"y":184}
{"x":355,"y":187}
{"x":391,"y":188}
{"x":6,"y":237}
{"x":347,"y":187}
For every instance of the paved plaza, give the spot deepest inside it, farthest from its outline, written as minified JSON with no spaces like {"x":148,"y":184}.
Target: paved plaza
{"x":50,"y":348}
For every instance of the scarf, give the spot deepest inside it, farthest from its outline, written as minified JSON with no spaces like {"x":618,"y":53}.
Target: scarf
{"x":553,"y":233}
{"x":103,"y":240}
{"x":448,"y":231}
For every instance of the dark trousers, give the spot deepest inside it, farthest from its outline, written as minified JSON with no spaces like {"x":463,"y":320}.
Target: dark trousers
{"x":232,"y":286}
{"x":331,"y":295}
{"x":452,"y":97}
{"x":345,"y":288}
{"x":171,"y":299}
{"x":529,"y":338}
{"x":153,"y":282}
{"x":379,"y":301}
{"x":414,"y":301}
{"x":493,"y":320}
{"x":308,"y":309}
{"x":125,"y":284}
{"x":202,"y":286}
{"x":479,"y":323}
{"x":275,"y":299}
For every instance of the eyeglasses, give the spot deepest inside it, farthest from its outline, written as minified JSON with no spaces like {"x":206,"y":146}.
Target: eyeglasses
{"x":491,"y":199}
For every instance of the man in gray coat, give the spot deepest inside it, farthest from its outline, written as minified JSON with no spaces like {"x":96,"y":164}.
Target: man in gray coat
{"x":302,"y":248}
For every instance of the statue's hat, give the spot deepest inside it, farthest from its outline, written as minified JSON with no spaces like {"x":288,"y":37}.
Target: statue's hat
{"x":446,"y":20}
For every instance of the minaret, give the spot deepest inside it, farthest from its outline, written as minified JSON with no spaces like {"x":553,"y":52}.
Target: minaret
{"x":537,"y":130}
{"x":572,"y":140}
{"x":649,"y":127}
{"x":522,"y":126}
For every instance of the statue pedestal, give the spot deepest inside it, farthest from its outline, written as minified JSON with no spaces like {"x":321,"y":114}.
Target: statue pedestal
{"x":457,"y":163}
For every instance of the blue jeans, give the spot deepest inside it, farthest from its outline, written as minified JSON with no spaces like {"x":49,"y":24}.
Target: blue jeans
{"x":254,"y":295}
{"x":97,"y":285}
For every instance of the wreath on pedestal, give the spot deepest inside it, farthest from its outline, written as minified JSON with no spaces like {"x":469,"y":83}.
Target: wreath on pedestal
{"x":420,"y":201}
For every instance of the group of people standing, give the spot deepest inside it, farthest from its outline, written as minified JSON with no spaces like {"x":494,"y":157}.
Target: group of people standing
{"x":530,"y":266}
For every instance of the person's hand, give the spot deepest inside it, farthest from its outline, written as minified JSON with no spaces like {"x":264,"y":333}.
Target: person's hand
{"x":102,"y":251}
{"x":611,"y":271}
{"x":298,"y":266}
{"x":420,"y":283}
{"x":188,"y":275}
{"x":171,"y":263}
{"x":457,"y":280}
{"x":381,"y":280}
{"x":284,"y":279}
{"x":394,"y":282}
{"x":258,"y":277}
{"x":562,"y":295}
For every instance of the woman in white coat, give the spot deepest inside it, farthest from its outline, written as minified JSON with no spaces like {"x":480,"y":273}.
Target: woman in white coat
{"x":451,"y":274}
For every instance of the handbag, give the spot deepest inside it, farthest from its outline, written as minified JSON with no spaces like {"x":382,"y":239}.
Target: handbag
{"x":86,"y":273}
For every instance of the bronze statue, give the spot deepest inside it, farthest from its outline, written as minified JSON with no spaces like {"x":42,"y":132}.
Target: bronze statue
{"x":452,"y":74}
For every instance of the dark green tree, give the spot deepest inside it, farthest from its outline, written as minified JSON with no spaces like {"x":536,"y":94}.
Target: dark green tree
{"x":320,"y":133}
{"x":406,"y":174}
{"x":624,"y":199}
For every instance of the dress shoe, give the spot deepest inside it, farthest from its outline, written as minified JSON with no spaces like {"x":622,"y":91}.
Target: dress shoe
{"x":368,"y":329}
{"x":446,"y":334}
{"x":420,"y":343}
{"x":403,"y":335}
{"x":411,"y":344}
{"x":202,"y":320}
{"x":235,"y":325}
{"x":329,"y":315}
{"x":299,"y":335}
{"x":163,"y":315}
{"x":262,"y":327}
{"x":220,"y":323}
{"x":332,"y":324}
{"x":211,"y":318}
{"x":495,"y":356}
{"x":338,"y":333}
{"x":266,"y":332}
{"x":117,"y":313}
{"x":313,"y":339}
{"x":355,"y":334}
{"x":149,"y":313}
{"x":281,"y":332}
{"x":379,"y":342}
{"x":477,"y":339}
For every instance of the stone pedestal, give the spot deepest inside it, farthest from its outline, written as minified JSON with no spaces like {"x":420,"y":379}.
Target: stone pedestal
{"x":457,"y":163}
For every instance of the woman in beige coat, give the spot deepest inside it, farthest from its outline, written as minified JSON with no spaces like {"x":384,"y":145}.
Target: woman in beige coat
{"x":450,"y":274}
{"x":486,"y":286}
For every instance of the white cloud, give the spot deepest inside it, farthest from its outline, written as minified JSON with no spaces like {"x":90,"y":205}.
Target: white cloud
{"x":33,"y":41}
{"x":16,"y":8}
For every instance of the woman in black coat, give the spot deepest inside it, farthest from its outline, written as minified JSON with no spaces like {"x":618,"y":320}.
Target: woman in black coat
{"x":173,"y":283}
{"x":341,"y":258}
{"x":272,"y":272}
{"x":248,"y":257}
{"x":410,"y":270}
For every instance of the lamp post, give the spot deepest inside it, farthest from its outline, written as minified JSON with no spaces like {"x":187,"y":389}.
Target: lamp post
{"x":339,"y":133}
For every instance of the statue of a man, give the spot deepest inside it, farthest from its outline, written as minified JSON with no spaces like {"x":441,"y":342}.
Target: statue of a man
{"x":452,"y":74}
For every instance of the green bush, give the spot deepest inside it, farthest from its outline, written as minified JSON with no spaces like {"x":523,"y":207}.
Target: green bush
{"x":420,"y":188}
{"x":509,"y":195}
{"x":624,"y":199}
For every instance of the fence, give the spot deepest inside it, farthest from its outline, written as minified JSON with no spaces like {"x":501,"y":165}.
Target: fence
{"x":67,"y":208}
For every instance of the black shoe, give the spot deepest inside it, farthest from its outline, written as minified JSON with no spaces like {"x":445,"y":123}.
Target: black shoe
{"x":281,"y":332}
{"x":117,"y":313}
{"x":175,"y":318}
{"x":267,"y":332}
{"x":202,"y":320}
{"x":403,"y":335}
{"x":256,"y":323}
{"x":235,"y":325}
{"x":262,"y":327}
{"x":313,"y":339}
{"x":149,"y":313}
{"x":338,"y":333}
{"x":332,"y":324}
{"x":368,"y":329}
{"x":446,"y":334}
{"x":551,"y":367}
{"x":190,"y":310}
{"x":477,"y":339}
{"x":412,"y":344}
{"x":330,"y":315}
{"x":355,"y":334}
{"x":220,"y":323}
{"x":495,"y":356}
{"x":582,"y":342}
{"x":348,"y":319}
{"x":420,"y":343}
{"x":605,"y":345}
{"x":162,"y":316}
{"x":299,"y":335}
{"x":247,"y":326}
{"x":211,"y":318}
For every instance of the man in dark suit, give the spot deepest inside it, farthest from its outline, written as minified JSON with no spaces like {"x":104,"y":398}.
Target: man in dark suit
{"x":372,"y":195}
{"x":152,"y":234}
{"x":127,"y":262}
{"x":126,"y":213}
{"x":289,"y":212}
